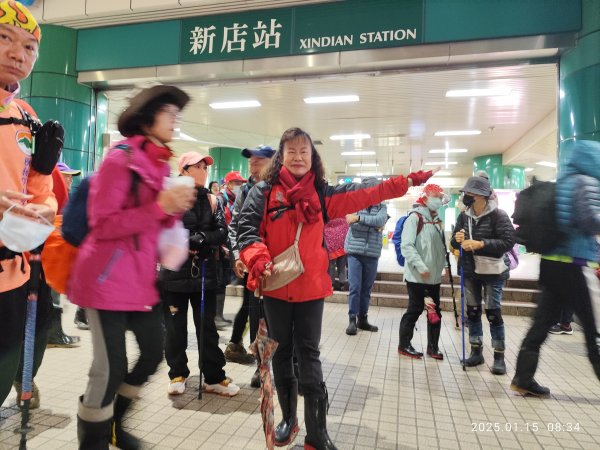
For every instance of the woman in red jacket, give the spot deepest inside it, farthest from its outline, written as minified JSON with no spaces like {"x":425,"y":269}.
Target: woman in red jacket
{"x":295,"y":191}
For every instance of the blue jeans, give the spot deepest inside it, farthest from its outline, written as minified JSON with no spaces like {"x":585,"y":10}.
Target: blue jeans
{"x":490,"y":293}
{"x":362,"y":271}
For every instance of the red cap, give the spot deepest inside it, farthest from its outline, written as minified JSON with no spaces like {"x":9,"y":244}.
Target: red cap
{"x":234,"y":176}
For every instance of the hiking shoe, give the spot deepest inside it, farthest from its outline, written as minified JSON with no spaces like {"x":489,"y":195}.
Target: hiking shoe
{"x":561,"y":329}
{"x":225,"y":388}
{"x":410,"y":352}
{"x":34,"y":402}
{"x":81,"y":319}
{"x":176,"y":386}
{"x":531,"y":388}
{"x":237,"y":353}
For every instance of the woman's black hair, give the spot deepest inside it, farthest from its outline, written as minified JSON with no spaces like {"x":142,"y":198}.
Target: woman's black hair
{"x":316,"y":167}
{"x":211,"y":183}
{"x":146,"y":116}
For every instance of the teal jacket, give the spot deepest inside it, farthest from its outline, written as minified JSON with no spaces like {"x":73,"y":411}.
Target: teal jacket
{"x":424,"y":251}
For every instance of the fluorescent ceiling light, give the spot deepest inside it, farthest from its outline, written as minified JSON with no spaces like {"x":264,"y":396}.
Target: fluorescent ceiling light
{"x":369,"y":174}
{"x":349,"y":137}
{"x":187,"y":137}
{"x":358,"y":153}
{"x":448,"y":150}
{"x":457,"y":133}
{"x":546,"y":163}
{"x":440,"y":163}
{"x":528,"y":169}
{"x":237,"y":104}
{"x":442,"y":173}
{"x":332,"y":99}
{"x":478,"y":92}
{"x":363,"y":165}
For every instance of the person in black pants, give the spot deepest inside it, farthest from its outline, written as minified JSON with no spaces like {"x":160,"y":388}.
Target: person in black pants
{"x":200,"y":273}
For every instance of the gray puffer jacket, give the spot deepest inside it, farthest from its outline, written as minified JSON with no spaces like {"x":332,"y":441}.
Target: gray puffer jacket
{"x":364,"y":237}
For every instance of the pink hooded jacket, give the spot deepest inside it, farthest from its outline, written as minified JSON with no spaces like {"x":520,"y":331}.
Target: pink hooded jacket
{"x":115,"y":269}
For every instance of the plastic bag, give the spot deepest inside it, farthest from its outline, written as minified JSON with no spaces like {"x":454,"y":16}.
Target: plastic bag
{"x":173,"y":246}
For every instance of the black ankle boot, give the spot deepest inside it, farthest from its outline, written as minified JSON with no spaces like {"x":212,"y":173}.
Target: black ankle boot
{"x":351,"y":330}
{"x":363,"y":324}
{"x":119,"y":437}
{"x":315,"y":418}
{"x":499,"y":367}
{"x":433,"y":338}
{"x":56,"y":336}
{"x":523,"y":381}
{"x":409,"y":351}
{"x":93,"y":435}
{"x":288,"y":428}
{"x":476,"y":356}
{"x":81,"y":319}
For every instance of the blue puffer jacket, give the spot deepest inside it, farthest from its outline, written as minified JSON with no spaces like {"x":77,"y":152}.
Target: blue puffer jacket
{"x":364,"y":237}
{"x":583,"y":159}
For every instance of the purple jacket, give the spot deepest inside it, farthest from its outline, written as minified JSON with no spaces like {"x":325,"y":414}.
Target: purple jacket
{"x":115,"y":268}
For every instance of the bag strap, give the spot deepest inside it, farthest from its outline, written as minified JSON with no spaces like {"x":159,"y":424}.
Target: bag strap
{"x":298,"y":231}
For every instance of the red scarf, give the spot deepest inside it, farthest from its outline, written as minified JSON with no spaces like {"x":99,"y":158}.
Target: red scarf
{"x":158,"y":154}
{"x":301,"y":195}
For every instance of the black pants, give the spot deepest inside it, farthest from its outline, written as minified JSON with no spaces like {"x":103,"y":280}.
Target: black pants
{"x":109,"y":372}
{"x":563,"y":285}
{"x":250,"y":309}
{"x":416,"y":302}
{"x":296,"y":326}
{"x":176,"y":313}
{"x":13,"y":310}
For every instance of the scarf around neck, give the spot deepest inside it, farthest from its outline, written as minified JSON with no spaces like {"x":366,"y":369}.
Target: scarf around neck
{"x":300,"y":194}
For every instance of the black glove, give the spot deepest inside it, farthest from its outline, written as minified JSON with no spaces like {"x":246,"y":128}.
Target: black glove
{"x":49,"y":140}
{"x":197,"y":241}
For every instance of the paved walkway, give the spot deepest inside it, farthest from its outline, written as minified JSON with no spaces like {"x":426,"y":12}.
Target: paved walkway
{"x":379,"y":400}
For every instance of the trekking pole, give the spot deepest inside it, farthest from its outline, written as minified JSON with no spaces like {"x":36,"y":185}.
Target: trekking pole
{"x":35,"y":263}
{"x":462,"y":308}
{"x":452,"y":288}
{"x":201,"y":343}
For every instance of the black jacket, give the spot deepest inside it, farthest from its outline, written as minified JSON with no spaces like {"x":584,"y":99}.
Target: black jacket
{"x":207,"y":232}
{"x":495,"y":229}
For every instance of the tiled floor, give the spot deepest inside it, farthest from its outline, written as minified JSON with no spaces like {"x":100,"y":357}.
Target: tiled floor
{"x":378,"y":399}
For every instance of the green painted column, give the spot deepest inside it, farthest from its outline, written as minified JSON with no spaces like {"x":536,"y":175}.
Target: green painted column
{"x":226,"y":160}
{"x":492,"y":165}
{"x":514,"y":177}
{"x":52,"y":90}
{"x":579,"y":102}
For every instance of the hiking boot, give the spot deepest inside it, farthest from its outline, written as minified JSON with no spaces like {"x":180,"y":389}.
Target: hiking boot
{"x":255,"y":381}
{"x":435,"y":353}
{"x":476,"y":356}
{"x":433,"y":338}
{"x":363,"y":324}
{"x":176,"y":386}
{"x":531,"y":388}
{"x":237,"y":353}
{"x":34,"y":402}
{"x":351,"y":330}
{"x":58,"y":339}
{"x":561,"y":328}
{"x":225,"y":388}
{"x":410,"y":352}
{"x":80,"y":319}
{"x":499,"y":367}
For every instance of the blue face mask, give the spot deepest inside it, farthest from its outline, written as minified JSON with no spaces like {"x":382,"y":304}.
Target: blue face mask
{"x":434,"y":203}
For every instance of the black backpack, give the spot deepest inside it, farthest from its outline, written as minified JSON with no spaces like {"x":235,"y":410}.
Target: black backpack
{"x":535,"y":218}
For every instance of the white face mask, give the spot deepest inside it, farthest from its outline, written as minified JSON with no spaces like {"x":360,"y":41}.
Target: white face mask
{"x":21,"y":234}
{"x":237,"y":190}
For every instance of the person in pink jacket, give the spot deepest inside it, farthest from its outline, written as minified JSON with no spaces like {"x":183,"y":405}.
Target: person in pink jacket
{"x":114,"y":275}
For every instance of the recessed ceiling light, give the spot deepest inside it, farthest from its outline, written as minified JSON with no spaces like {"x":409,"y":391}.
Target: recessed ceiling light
{"x":448,"y":150}
{"x":332,"y":99}
{"x":349,"y":137}
{"x":442,"y":173}
{"x":478,"y":92}
{"x":528,"y":169}
{"x":546,"y":163}
{"x":363,"y":165}
{"x":440,"y":163}
{"x":457,"y":133}
{"x":358,"y":153}
{"x":237,"y":104}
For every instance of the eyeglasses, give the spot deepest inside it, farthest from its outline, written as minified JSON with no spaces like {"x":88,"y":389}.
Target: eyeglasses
{"x":174,"y":113}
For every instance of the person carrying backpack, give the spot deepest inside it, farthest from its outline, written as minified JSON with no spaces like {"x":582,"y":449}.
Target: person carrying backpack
{"x":485,"y":233}
{"x":423,"y":246}
{"x":567,"y":271}
{"x":114,"y":274}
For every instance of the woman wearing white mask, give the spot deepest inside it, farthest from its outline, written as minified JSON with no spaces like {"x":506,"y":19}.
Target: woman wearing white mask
{"x":424,"y":248}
